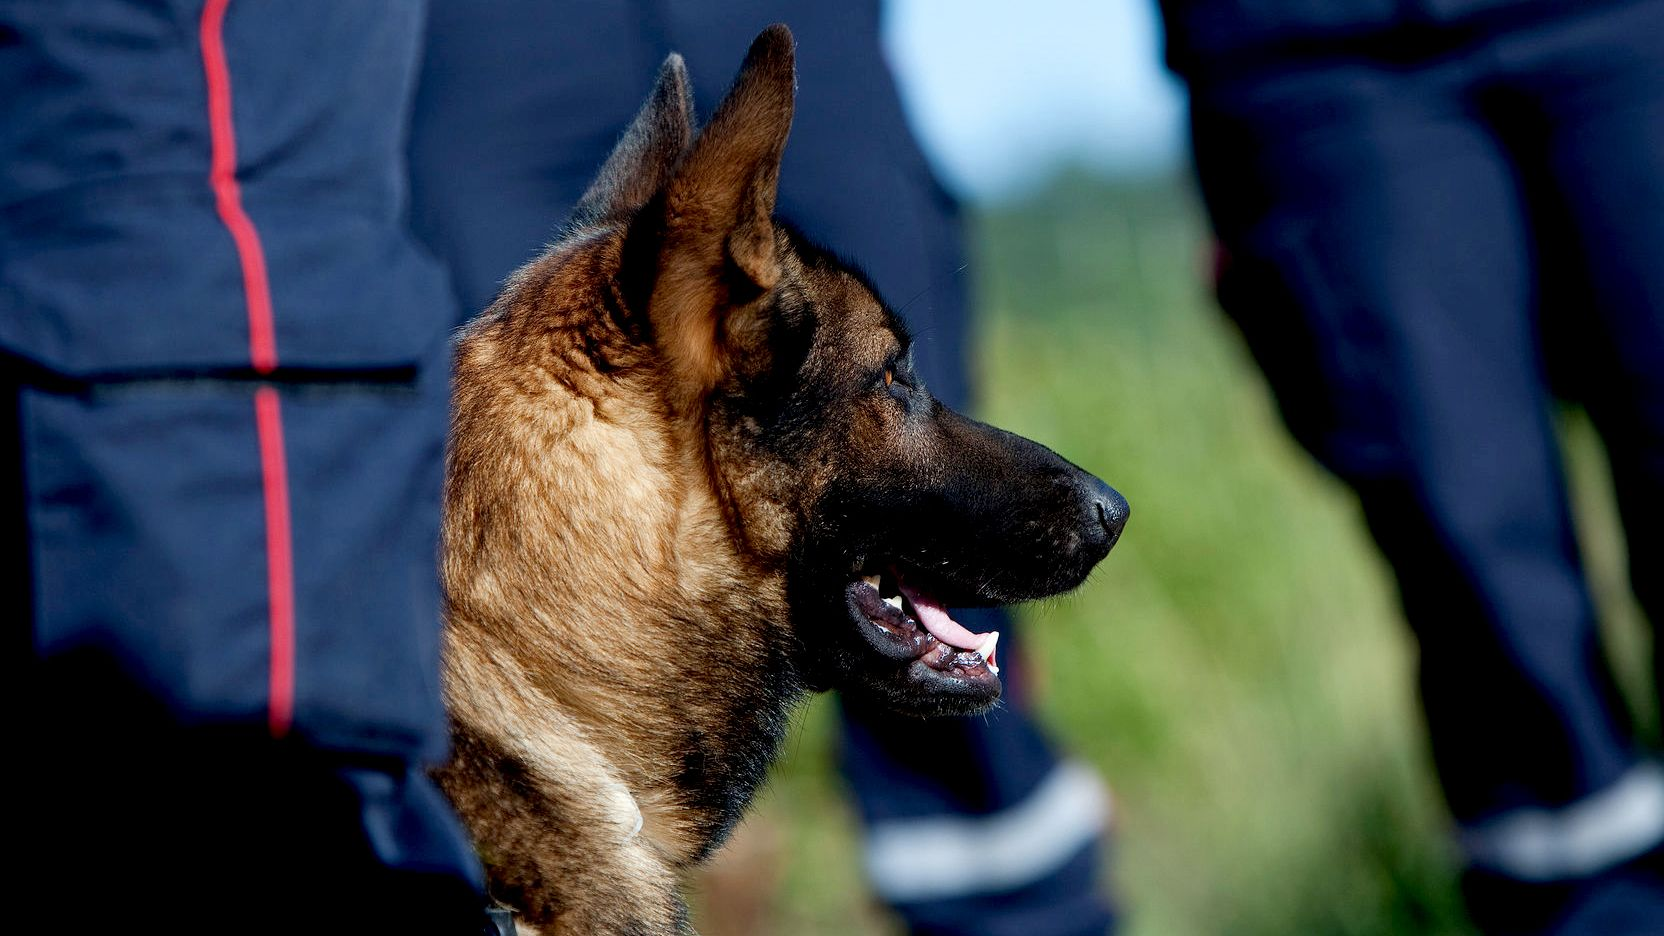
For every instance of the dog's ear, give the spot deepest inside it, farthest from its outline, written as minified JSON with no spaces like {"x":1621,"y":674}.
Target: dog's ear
{"x":644,"y":159}
{"x":718,"y":256}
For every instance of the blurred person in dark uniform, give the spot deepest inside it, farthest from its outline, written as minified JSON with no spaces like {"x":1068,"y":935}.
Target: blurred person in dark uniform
{"x":224,"y":369}
{"x":1433,"y":215}
{"x":983,"y":830}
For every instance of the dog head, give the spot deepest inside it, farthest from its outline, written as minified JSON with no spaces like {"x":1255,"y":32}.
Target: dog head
{"x":881,"y":506}
{"x":786,"y":386}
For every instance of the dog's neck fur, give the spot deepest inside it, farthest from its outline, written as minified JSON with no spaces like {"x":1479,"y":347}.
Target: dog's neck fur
{"x":560,"y":401}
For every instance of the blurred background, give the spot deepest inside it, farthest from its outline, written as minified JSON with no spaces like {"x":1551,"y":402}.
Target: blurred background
{"x":1238,"y":669}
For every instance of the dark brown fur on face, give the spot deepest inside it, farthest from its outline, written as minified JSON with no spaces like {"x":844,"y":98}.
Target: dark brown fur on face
{"x":684,"y":440}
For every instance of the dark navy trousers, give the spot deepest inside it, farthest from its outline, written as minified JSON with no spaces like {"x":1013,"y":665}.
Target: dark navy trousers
{"x":1427,"y":231}
{"x":520,"y":101}
{"x":225,"y":373}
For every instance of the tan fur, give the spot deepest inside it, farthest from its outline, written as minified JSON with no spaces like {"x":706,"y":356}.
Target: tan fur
{"x":602,"y":610}
{"x":584,"y":544}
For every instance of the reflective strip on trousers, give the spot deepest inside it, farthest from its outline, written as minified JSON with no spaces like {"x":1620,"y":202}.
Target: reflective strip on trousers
{"x":1586,"y":837}
{"x":947,"y":857}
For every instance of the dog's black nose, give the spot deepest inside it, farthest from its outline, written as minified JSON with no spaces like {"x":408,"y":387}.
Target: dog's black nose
{"x":1110,"y":510}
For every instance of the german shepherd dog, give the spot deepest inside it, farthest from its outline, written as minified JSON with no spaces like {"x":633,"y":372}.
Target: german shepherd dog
{"x":693,"y":477}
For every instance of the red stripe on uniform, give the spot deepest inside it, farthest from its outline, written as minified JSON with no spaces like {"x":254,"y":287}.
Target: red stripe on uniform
{"x":280,"y":578}
{"x":262,"y":352}
{"x":228,"y":197}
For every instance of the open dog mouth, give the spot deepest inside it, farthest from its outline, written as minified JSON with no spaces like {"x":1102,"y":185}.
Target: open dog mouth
{"x":906,"y":623}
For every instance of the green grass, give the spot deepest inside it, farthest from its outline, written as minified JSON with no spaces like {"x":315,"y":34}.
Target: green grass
{"x":1237,"y":669}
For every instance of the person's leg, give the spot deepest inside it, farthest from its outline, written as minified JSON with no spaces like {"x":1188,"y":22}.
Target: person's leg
{"x":1380,"y":265}
{"x":231,"y":380}
{"x":975,"y":826}
{"x":1592,"y":92}
{"x":1583,"y":99}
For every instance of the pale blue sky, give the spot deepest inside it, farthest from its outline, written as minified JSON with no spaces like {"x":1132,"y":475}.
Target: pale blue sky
{"x":1003,"y":92}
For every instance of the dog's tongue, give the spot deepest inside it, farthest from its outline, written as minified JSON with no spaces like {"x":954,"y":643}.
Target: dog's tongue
{"x":935,"y":619}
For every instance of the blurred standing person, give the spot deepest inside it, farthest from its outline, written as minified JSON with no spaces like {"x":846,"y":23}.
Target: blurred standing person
{"x":985,"y":830}
{"x":224,"y":373}
{"x":1426,"y":209}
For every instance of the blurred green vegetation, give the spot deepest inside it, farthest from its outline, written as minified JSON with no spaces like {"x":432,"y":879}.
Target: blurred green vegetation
{"x":1237,"y":669}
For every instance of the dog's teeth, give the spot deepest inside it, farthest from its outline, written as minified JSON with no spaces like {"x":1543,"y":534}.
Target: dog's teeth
{"x":894,"y":601}
{"x":987,"y":648}
{"x":987,"y":651}
{"x":872,"y":580}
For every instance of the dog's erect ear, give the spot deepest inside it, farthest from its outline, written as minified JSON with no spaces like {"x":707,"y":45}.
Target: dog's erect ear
{"x":718,"y":250}
{"x":649,"y":152}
